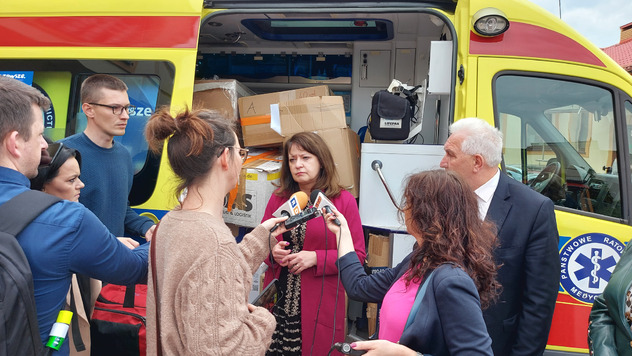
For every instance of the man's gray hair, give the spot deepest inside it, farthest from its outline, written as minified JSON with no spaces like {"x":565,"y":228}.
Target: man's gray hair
{"x":480,"y":138}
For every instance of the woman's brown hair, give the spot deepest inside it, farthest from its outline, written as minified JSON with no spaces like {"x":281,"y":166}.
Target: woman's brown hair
{"x":328,"y":181}
{"x":442,"y":210}
{"x":196,"y":138}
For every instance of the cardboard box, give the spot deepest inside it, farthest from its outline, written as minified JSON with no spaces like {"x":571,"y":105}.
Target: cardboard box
{"x":325,"y":116}
{"x":258,"y":105}
{"x":256,"y":129}
{"x":378,"y":251}
{"x":312,"y":114}
{"x":344,"y":145}
{"x":371,"y":315}
{"x":220,"y":95}
{"x":377,"y":260}
{"x":248,"y":201}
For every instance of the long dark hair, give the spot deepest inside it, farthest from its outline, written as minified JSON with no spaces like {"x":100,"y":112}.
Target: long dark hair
{"x":442,"y":210}
{"x":328,"y":181}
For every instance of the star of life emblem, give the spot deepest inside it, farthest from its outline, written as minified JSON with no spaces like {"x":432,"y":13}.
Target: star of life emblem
{"x":587,"y":262}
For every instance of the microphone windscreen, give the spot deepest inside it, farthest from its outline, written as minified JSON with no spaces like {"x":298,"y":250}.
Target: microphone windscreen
{"x":314,"y":195}
{"x":301,"y":198}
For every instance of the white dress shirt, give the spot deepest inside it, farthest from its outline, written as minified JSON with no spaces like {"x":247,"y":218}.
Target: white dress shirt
{"x":485,"y":193}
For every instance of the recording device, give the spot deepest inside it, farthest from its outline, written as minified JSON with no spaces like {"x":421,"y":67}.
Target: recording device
{"x":346,"y":349}
{"x":292,"y":207}
{"x":269,"y":296}
{"x":320,"y":201}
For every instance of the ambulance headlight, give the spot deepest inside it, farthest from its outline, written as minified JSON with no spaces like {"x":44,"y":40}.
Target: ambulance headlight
{"x":490,"y":22}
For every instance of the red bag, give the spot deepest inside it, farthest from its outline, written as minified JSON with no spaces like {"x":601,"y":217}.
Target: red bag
{"x":118,"y":324}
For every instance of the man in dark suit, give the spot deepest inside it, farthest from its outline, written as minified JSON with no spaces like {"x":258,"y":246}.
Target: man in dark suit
{"x":520,"y":321}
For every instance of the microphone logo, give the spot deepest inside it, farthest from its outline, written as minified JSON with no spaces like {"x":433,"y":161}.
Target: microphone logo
{"x":318,"y":201}
{"x":294,"y":204}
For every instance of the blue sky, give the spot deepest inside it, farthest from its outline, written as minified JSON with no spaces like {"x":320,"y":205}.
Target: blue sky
{"x":597,"y":20}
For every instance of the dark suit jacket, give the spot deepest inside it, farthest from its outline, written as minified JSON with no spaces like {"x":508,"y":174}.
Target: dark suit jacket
{"x":609,"y":332}
{"x":449,"y":320}
{"x":519,"y":322}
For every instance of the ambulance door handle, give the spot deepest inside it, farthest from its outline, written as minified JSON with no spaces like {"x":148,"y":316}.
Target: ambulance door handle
{"x":364,"y":72}
{"x":377,"y":166}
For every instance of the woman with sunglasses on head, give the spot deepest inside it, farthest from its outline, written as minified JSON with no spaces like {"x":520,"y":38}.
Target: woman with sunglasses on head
{"x":60,"y":175}
{"x":312,"y":310}
{"x":451,"y":267}
{"x":198,"y":302}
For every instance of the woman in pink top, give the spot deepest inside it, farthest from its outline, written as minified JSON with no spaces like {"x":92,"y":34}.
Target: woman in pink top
{"x":441,"y":212}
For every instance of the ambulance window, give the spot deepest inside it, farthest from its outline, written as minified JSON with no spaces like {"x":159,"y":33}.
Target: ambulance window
{"x":560,"y":140}
{"x":150,"y":85}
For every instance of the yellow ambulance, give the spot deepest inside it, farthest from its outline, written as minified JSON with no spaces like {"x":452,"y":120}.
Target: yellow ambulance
{"x":564,"y":107}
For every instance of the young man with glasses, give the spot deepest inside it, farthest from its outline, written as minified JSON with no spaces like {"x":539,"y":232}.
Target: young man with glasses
{"x":107,"y":169}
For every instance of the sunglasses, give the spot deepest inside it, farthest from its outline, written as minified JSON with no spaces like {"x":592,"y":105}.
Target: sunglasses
{"x":53,"y":151}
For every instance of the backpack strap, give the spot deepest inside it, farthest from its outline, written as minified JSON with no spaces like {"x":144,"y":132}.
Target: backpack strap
{"x":154,"y":278}
{"x":22,"y":209}
{"x":420,"y":296}
{"x":17,"y":214}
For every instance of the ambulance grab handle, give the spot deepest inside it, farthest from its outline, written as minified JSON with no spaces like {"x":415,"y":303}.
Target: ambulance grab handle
{"x":377,"y":166}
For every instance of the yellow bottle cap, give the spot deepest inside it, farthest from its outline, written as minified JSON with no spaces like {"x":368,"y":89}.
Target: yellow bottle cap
{"x":64,"y":316}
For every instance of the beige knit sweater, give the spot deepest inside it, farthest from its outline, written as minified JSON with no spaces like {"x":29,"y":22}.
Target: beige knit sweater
{"x":204,"y":278}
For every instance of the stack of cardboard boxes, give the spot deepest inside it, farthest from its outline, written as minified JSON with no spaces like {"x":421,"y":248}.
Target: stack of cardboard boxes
{"x":313,"y":109}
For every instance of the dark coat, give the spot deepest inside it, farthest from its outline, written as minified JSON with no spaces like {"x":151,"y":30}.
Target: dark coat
{"x":519,"y":322}
{"x":609,"y":332}
{"x":449,"y":320}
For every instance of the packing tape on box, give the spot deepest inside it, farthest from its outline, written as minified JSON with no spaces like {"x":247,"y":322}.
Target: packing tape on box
{"x":256,"y":120}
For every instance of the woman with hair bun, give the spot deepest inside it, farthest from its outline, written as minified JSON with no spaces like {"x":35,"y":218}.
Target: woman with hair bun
{"x":203,"y":276}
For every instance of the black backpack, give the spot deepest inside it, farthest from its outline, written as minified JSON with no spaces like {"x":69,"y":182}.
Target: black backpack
{"x":390,"y":116}
{"x":19,"y":331}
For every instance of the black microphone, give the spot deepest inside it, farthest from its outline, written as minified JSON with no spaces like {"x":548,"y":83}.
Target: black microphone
{"x":303,"y":216}
{"x":293,"y":208}
{"x":320,"y":201}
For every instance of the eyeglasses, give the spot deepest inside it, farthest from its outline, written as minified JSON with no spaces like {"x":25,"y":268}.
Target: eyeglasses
{"x":53,"y":151}
{"x":117,"y":109}
{"x":243,"y":152}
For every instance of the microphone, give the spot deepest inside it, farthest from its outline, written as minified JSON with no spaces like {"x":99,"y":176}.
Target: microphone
{"x":303,"y":216}
{"x":293,"y":207}
{"x":320,"y":201}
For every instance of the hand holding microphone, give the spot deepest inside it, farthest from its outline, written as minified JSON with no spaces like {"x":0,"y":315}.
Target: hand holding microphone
{"x":320,"y":201}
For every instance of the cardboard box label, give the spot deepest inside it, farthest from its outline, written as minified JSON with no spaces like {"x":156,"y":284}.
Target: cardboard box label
{"x":254,"y":190}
